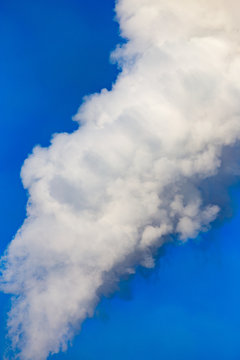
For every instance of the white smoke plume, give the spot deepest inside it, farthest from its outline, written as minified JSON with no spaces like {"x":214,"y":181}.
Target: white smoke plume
{"x":103,"y":198}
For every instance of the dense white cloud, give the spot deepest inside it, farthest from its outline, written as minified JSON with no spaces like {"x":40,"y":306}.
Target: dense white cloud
{"x":103,"y":198}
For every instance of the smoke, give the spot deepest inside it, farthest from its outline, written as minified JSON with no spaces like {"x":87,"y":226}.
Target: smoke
{"x":104,"y":198}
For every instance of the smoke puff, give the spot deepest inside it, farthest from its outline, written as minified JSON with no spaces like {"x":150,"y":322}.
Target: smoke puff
{"x":103,"y":198}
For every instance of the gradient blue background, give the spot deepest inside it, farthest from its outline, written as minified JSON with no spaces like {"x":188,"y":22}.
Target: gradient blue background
{"x":52,"y":53}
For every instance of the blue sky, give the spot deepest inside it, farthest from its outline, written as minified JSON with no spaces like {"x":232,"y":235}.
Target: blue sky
{"x":52,"y":54}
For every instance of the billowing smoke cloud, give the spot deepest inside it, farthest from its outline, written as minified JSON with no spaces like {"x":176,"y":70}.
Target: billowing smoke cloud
{"x":102,"y":199}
